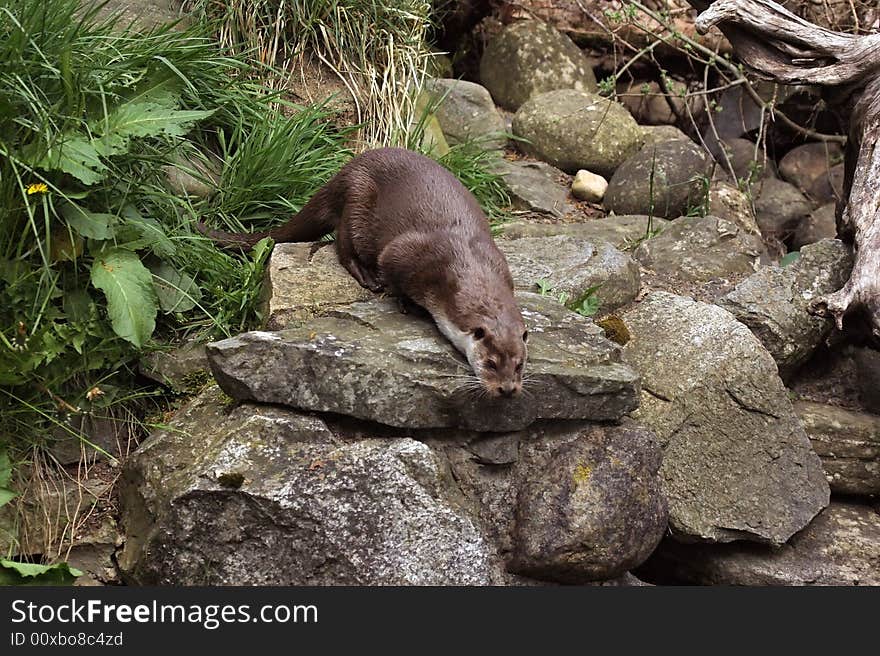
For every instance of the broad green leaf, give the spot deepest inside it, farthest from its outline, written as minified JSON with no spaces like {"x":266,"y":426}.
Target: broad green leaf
{"x":177,"y":291}
{"x":6,"y":496}
{"x":94,"y":225}
{"x":150,"y":234}
{"x":160,"y":89}
{"x":77,"y":305}
{"x":128,"y":286}
{"x":145,"y":119}
{"x":14,"y":573}
{"x":78,"y":156}
{"x":5,"y":468}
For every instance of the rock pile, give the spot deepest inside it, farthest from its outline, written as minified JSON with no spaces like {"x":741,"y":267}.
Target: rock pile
{"x":433,"y":485}
{"x":344,"y":445}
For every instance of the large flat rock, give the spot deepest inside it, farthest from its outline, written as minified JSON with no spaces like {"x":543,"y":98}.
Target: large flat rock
{"x":371,"y":362}
{"x":700,"y":249}
{"x":534,"y":186}
{"x":303,"y":281}
{"x":774,"y":302}
{"x":575,"y":267}
{"x":840,"y":547}
{"x":624,"y":231}
{"x":737,"y":464}
{"x":848,"y":442}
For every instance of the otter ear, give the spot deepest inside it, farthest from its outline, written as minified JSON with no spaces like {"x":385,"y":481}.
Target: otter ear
{"x":479,"y":333}
{"x":526,"y":336}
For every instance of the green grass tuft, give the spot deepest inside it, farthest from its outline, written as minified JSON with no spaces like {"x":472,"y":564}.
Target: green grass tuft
{"x":98,"y":256}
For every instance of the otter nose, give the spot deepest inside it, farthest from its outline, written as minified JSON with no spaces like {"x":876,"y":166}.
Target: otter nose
{"x":507,"y":390}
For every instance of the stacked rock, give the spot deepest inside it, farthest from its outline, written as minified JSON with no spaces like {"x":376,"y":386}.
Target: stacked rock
{"x":355,"y":448}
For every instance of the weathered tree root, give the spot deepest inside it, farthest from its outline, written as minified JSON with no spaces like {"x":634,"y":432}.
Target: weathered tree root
{"x":778,"y":45}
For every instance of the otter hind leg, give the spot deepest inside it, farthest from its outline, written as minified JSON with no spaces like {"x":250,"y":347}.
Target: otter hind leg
{"x":347,"y":249}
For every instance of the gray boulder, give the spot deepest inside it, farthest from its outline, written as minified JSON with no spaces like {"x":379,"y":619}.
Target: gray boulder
{"x":737,"y":464}
{"x":591,"y":506}
{"x":829,"y":188}
{"x":534,"y":186}
{"x":565,"y":501}
{"x":654,"y":134}
{"x":727,"y":201}
{"x":648,"y":104}
{"x":840,"y":547}
{"x":664,"y":179}
{"x":184,"y":369}
{"x":531,"y":57}
{"x":698,"y":249}
{"x":47,"y":518}
{"x":266,"y":496}
{"x":573,"y":266}
{"x":466,"y":113}
{"x":747,"y":160}
{"x":779,"y":207}
{"x":371,"y":362}
{"x":574,"y":130}
{"x":848,"y":442}
{"x":820,"y":224}
{"x":92,"y":436}
{"x":302,"y":283}
{"x":192,"y":173}
{"x":624,"y":231}
{"x":775,"y":302}
{"x":808,"y":168}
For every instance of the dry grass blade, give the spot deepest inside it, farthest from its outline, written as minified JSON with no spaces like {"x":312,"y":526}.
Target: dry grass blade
{"x":377,"y":48}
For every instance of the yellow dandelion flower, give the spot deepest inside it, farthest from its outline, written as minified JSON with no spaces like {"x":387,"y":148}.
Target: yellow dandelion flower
{"x":37,"y":188}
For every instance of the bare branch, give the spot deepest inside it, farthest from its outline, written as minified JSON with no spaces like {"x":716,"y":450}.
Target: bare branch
{"x":775,"y":42}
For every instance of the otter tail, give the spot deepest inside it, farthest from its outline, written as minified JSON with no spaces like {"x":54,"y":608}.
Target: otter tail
{"x":317,"y":217}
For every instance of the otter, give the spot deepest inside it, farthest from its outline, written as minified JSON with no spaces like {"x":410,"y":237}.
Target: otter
{"x":407,"y":225}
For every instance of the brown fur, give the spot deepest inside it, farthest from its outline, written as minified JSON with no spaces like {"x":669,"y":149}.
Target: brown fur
{"x":406,"y":224}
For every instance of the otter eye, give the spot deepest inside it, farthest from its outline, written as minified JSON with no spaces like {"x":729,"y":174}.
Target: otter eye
{"x":491,"y":364}
{"x":479,"y":333}
{"x":519,"y":367}
{"x":526,"y":336}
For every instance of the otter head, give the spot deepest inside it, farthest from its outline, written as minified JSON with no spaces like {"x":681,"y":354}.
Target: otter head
{"x":489,"y":331}
{"x":497,"y":355}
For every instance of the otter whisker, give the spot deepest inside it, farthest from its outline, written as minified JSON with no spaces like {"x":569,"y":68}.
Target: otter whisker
{"x":533,"y":380}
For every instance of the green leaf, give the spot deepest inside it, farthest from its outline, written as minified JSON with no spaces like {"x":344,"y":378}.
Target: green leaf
{"x":150,"y":234}
{"x":145,"y":119}
{"x":93,"y":225}
{"x":77,"y":305}
{"x":15,"y":573}
{"x":6,"y":496}
{"x":545,"y":287}
{"x":177,"y":292}
{"x":128,"y":286}
{"x":5,"y":469}
{"x":79,"y":157}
